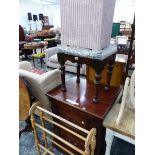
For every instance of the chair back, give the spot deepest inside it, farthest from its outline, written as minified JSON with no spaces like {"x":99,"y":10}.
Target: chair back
{"x":88,"y":137}
{"x":128,"y":98}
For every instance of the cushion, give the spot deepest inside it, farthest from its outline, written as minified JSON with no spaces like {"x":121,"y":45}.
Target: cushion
{"x":47,"y":39}
{"x":38,"y":71}
{"x":39,"y":55}
{"x":25,"y":65}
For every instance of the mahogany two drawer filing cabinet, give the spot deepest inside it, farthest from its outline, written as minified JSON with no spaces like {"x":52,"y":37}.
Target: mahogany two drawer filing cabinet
{"x":84,"y":112}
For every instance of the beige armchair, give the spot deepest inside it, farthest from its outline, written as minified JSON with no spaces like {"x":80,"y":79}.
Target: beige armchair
{"x":40,"y":84}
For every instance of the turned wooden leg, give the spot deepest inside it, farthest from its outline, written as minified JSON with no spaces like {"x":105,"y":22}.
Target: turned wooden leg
{"x":41,"y":62}
{"x":109,"y":139}
{"x":78,"y":73}
{"x":109,"y":74}
{"x":96,"y":86}
{"x":33,"y":62}
{"x":62,"y":68}
{"x":35,"y":51}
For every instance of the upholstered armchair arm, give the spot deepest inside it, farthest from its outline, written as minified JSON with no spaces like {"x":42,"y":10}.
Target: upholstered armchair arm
{"x":50,"y":80}
{"x":50,"y":52}
{"x":25,"y":65}
{"x":41,"y":84}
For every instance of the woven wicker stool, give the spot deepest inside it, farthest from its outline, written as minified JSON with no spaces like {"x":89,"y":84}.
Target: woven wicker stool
{"x":39,"y":55}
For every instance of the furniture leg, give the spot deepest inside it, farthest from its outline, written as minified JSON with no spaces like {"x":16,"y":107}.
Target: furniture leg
{"x":62,"y":68}
{"x":78,"y":73}
{"x":35,"y":51}
{"x":25,"y":56}
{"x":109,"y":74}
{"x":33,"y":62}
{"x":109,"y":139}
{"x":41,"y":61}
{"x":96,"y":87}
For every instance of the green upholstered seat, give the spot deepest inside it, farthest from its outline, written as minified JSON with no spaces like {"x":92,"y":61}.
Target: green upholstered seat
{"x":47,"y":39}
{"x":38,"y":55}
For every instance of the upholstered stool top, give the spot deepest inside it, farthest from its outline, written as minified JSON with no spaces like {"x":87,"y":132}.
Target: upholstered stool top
{"x":93,"y":54}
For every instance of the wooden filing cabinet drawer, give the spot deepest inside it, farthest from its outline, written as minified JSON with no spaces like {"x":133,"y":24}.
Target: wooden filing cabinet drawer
{"x":72,"y":139}
{"x":73,"y":117}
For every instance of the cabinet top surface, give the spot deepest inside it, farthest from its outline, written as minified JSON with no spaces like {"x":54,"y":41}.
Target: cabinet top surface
{"x":80,"y":96}
{"x":88,"y":53}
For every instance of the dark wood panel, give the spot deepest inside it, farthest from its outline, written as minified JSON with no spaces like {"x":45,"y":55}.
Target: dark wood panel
{"x":82,"y":93}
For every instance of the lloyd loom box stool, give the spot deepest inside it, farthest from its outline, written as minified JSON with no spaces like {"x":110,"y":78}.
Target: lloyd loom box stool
{"x":86,"y":23}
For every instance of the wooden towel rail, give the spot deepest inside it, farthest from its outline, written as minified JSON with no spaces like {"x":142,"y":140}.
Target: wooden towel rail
{"x":88,"y":137}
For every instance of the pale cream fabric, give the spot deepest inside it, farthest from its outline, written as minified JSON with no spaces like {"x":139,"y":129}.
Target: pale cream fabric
{"x":41,"y":84}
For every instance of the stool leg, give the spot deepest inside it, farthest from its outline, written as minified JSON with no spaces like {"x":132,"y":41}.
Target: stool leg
{"x":33,"y":62}
{"x":41,"y":61}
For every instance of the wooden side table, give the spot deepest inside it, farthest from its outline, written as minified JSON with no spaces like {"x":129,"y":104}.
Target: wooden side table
{"x":35,"y":45}
{"x":76,"y":105}
{"x":97,"y":59}
{"x":126,"y":129}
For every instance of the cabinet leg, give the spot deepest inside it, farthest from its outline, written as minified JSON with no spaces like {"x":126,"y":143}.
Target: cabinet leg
{"x":109,"y":139}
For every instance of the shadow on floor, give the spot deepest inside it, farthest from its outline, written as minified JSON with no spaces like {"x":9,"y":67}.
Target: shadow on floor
{"x":121,"y":147}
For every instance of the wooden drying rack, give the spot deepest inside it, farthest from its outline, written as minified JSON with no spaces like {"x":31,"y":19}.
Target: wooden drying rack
{"x":89,"y":139}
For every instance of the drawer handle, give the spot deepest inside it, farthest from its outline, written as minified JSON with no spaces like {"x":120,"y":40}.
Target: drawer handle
{"x":83,"y":122}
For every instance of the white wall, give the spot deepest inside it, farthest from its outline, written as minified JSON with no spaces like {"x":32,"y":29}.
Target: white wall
{"x":52,"y":11}
{"x":124,"y":10}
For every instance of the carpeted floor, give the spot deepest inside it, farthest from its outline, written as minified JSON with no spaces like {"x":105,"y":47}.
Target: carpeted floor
{"x":27,"y":143}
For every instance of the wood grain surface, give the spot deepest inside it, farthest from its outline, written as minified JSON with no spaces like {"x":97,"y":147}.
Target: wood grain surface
{"x":127,"y":124}
{"x":24,"y":100}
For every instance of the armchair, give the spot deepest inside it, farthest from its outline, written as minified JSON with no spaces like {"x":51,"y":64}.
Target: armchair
{"x":40,"y":84}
